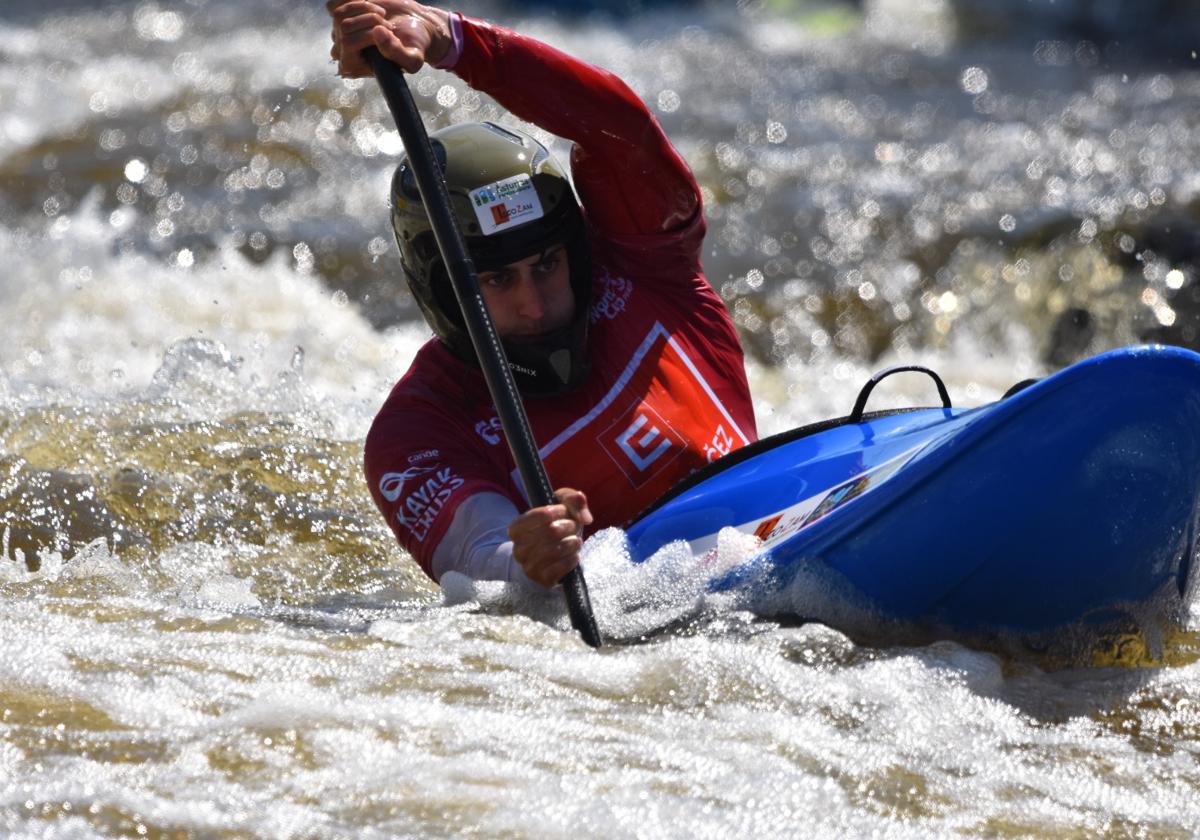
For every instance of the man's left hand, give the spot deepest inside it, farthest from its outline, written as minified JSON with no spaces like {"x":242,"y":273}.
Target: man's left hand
{"x":546,"y":540}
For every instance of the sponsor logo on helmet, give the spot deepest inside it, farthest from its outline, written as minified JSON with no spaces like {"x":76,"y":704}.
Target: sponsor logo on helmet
{"x":421,"y":456}
{"x":489,"y":430}
{"x":485,"y":196}
{"x":426,"y":500}
{"x":392,"y":484}
{"x":506,"y":203}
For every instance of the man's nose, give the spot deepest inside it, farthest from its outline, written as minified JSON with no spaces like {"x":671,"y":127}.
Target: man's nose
{"x":531,"y":302}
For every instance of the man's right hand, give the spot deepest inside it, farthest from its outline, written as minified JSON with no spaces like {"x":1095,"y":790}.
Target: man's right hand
{"x":407,"y":34}
{"x":546,"y":540}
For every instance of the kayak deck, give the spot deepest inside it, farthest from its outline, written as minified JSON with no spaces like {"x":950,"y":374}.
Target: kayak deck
{"x":1070,"y":499}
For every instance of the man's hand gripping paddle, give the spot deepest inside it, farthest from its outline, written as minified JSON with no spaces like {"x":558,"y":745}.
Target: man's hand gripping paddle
{"x":432,"y":186}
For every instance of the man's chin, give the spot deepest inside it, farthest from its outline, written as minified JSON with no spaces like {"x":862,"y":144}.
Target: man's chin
{"x":539,"y":338}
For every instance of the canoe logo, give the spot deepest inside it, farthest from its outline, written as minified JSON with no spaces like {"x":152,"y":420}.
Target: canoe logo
{"x":489,"y":430}
{"x":392,"y":484}
{"x":425,"y":501}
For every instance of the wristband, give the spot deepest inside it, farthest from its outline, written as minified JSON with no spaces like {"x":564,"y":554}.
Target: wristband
{"x":455,"y":52}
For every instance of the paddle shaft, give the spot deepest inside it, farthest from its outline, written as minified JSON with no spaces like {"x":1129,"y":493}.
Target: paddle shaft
{"x":436,"y":197}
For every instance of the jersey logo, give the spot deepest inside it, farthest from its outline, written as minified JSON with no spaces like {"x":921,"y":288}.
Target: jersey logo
{"x":489,"y":430}
{"x":641,"y":443}
{"x":659,"y":420}
{"x":425,"y":501}
{"x":392,"y":484}
{"x":613,"y":296}
{"x":721,"y":444}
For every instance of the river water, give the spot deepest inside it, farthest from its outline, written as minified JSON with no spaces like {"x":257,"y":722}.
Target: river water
{"x":207,"y":631}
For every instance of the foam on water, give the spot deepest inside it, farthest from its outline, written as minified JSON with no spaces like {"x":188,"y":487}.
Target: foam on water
{"x":452,"y":720}
{"x":86,"y":321}
{"x":176,"y":692}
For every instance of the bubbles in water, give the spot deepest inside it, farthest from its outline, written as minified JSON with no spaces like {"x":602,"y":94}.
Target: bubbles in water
{"x":190,"y":359}
{"x":668,"y":101}
{"x":304,"y":257}
{"x":152,"y":24}
{"x":389,"y":143}
{"x":974,"y":80}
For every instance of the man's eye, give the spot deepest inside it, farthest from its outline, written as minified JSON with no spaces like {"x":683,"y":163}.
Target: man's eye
{"x":548,"y":264}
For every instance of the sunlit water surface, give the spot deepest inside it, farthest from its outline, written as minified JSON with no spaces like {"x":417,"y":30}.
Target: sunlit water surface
{"x":206,"y":630}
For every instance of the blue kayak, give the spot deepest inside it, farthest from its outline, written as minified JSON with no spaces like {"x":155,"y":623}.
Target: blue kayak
{"x":1072,"y":500}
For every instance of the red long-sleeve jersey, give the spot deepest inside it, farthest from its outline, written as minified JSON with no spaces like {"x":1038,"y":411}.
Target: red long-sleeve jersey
{"x":667,"y":390}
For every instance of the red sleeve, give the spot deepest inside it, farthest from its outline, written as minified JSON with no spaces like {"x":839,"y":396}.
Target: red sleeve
{"x":630,"y":178}
{"x":419,"y":471}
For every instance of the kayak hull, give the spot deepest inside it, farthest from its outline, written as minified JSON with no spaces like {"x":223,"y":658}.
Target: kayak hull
{"x":1070,"y":501}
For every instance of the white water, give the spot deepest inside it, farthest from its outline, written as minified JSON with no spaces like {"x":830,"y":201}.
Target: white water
{"x":221,"y":639}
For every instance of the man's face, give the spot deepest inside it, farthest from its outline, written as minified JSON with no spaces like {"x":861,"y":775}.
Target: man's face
{"x":530,"y":297}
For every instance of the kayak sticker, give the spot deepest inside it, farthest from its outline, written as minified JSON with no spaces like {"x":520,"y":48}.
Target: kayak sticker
{"x":779,"y":526}
{"x":505,"y":204}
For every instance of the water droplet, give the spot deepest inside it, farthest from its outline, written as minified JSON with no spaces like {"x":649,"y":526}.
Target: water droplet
{"x":974,"y":80}
{"x":668,"y":101}
{"x":136,"y":171}
{"x":294,"y":77}
{"x":304,"y":257}
{"x":389,"y":143}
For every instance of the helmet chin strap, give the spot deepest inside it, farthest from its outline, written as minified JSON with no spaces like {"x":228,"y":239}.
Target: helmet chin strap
{"x":560,"y":361}
{"x":555,"y":365}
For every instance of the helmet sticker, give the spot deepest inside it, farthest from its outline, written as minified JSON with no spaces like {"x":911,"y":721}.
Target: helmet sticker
{"x":506,"y":204}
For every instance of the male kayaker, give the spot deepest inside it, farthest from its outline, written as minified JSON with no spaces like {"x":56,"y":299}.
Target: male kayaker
{"x":630,"y":366}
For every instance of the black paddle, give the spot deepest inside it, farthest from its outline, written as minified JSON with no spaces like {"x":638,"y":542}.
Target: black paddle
{"x":432,"y":186}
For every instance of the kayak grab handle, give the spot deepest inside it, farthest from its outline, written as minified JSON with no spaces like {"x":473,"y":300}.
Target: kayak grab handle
{"x":856,"y":414}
